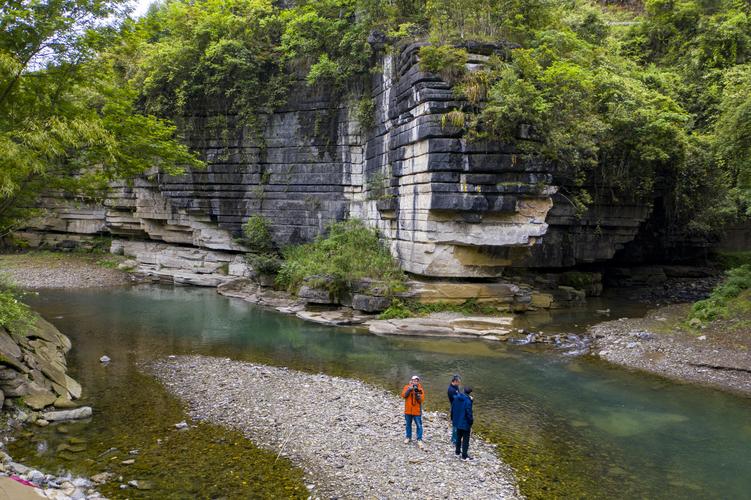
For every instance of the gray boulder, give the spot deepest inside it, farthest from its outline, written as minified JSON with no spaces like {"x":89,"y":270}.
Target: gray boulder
{"x":78,"y":413}
{"x":370,"y":303}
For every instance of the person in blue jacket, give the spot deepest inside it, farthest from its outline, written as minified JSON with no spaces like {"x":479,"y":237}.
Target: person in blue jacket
{"x":462,"y":418}
{"x":453,"y":390}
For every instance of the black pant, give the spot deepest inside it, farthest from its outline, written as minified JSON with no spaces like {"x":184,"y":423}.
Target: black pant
{"x":462,"y":442}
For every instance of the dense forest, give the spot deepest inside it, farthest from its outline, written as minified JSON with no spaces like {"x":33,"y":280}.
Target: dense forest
{"x":636,"y":95}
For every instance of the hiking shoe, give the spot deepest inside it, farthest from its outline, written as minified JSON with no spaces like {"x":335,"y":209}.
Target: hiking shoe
{"x":407,"y":440}
{"x":419,"y":444}
{"x":467,"y":458}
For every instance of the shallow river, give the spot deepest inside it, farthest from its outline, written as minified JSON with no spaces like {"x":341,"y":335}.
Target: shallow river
{"x":572,"y":427}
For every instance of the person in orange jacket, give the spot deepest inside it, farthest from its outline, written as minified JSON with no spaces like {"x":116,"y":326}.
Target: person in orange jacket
{"x":414,"y":396}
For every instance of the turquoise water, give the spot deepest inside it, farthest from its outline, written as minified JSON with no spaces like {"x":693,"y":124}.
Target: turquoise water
{"x":572,"y":427}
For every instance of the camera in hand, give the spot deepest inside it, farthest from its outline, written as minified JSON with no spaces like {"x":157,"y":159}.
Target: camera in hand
{"x":414,"y":387}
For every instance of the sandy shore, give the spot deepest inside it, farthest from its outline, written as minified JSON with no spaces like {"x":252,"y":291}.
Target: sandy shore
{"x":39,"y":270}
{"x":345,"y":434}
{"x":717,"y":356}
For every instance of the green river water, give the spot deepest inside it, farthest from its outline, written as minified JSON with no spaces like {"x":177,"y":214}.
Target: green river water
{"x":572,"y":427}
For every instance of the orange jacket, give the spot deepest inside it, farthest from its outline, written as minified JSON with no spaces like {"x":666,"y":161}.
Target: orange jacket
{"x":413,"y":402}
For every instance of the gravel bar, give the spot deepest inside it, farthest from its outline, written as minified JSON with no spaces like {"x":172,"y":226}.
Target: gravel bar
{"x":39,"y":271}
{"x":717,"y":356}
{"x":345,"y":434}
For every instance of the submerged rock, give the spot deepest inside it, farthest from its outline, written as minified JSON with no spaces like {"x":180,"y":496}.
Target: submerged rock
{"x":78,"y":413}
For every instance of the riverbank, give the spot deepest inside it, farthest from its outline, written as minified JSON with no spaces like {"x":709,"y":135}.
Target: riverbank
{"x":39,"y":270}
{"x":660,"y":343}
{"x":345,"y":434}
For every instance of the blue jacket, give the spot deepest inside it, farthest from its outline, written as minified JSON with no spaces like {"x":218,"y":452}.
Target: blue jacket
{"x":461,"y":412}
{"x":452,"y":392}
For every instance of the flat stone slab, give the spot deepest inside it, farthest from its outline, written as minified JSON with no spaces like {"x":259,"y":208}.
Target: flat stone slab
{"x":339,"y":317}
{"x":483,"y":322}
{"x":484,"y":327}
{"x":77,"y":414}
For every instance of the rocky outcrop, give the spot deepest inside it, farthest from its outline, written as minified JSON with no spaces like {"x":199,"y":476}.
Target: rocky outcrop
{"x":165,"y":263}
{"x":33,"y":366}
{"x":450,"y":207}
{"x":493,"y":328}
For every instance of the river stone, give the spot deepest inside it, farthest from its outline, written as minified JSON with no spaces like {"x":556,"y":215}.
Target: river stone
{"x":141,"y":484}
{"x":15,"y":388}
{"x":102,"y":477}
{"x":428,"y":327}
{"x":370,"y":303}
{"x":54,"y":371}
{"x":64,"y":402}
{"x":38,"y":397}
{"x":44,"y":350}
{"x":483,"y":322}
{"x":315,"y":295}
{"x":73,"y":387}
{"x":78,"y":413}
{"x":337,"y":317}
{"x":13,"y":363}
{"x":458,"y":293}
{"x":47,"y":331}
{"x":8,"y":346}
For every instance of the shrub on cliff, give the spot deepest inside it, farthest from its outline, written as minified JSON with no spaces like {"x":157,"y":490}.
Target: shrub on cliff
{"x":348,"y":252}
{"x":263,"y":255}
{"x":257,"y":235}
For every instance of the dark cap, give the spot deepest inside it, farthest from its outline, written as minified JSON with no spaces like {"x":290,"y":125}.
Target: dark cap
{"x":467,"y":389}
{"x":456,"y":377}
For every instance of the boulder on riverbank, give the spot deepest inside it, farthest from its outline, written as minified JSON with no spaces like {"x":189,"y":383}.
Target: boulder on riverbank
{"x":346,"y":434}
{"x":33,"y":366}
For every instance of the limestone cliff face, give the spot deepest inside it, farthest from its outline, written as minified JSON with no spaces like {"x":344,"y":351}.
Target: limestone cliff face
{"x":448,"y":206}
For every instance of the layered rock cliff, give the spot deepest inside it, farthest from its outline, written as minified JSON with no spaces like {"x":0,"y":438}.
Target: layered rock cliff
{"x":449,"y":207}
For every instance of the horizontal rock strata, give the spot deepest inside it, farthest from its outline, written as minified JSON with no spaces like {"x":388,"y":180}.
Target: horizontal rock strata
{"x":448,"y":207}
{"x":346,"y":434}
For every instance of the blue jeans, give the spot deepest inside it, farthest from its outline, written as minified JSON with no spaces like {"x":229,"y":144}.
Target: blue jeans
{"x":462,"y":442}
{"x":408,"y":425}
{"x":453,"y":434}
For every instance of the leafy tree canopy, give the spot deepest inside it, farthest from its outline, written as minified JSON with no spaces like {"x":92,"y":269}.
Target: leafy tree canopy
{"x":67,"y":119}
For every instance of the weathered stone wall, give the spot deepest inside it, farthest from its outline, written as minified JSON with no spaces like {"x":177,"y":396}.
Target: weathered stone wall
{"x":448,"y":206}
{"x":456,"y":208}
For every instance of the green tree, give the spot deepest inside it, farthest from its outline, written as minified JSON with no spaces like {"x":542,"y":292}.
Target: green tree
{"x":215,"y":56}
{"x":67,"y":119}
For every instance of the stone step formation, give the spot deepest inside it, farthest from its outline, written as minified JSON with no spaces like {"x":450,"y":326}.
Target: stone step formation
{"x":449,"y":207}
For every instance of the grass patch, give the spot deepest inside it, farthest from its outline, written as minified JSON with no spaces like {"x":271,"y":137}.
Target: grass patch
{"x":14,"y":314}
{"x":400,"y":309}
{"x":349,"y":252}
{"x":728,"y":298}
{"x":110,"y":262}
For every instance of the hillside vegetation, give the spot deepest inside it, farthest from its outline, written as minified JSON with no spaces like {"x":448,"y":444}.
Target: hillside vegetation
{"x":624,"y":97}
